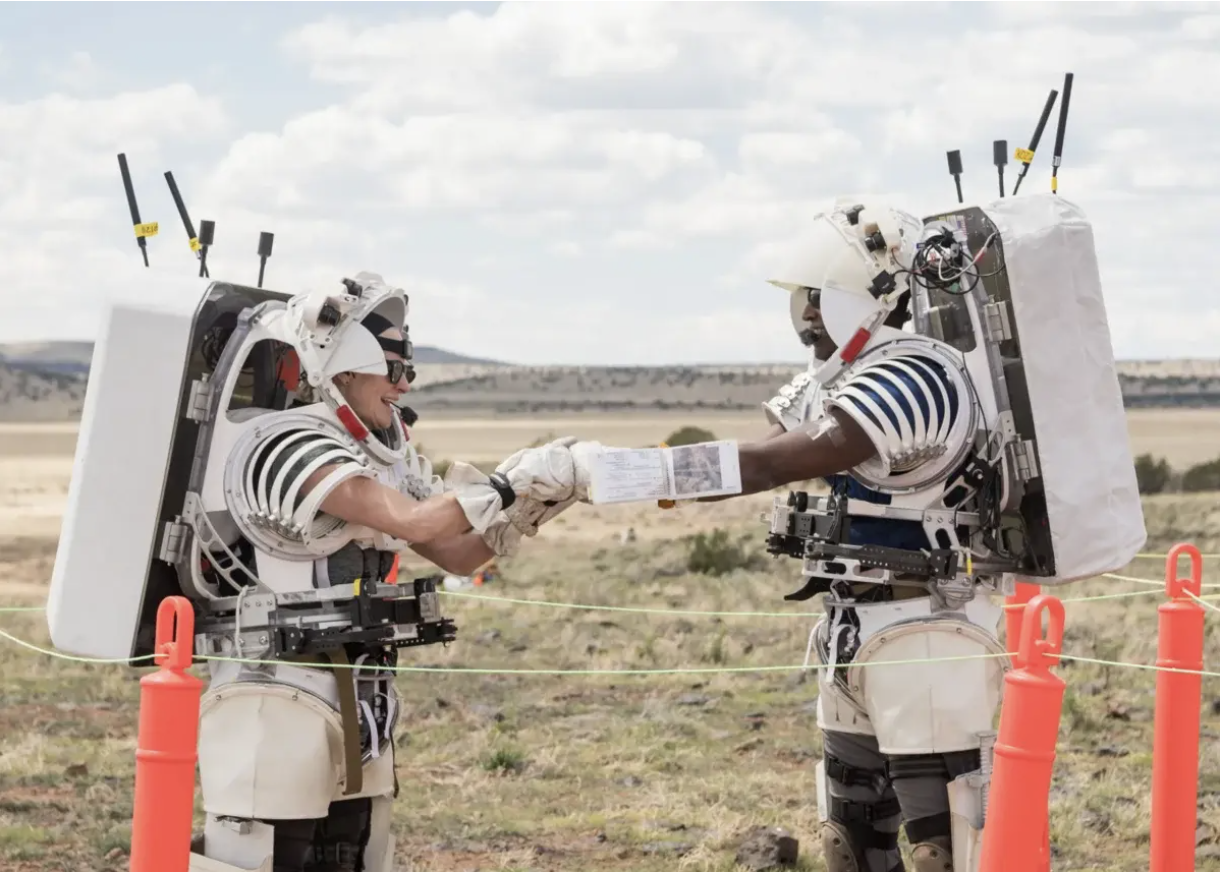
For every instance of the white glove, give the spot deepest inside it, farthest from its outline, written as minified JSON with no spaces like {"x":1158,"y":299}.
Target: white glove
{"x":522,"y":518}
{"x":544,"y":474}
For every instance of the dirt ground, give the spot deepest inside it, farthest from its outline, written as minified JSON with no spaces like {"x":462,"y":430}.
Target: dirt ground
{"x":640,"y":772}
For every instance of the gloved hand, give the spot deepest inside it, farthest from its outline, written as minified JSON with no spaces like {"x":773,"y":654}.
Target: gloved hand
{"x":543,"y":474}
{"x":527,"y":514}
{"x":522,"y":518}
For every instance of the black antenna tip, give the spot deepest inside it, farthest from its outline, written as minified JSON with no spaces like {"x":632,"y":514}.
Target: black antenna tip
{"x":265,"y":241}
{"x":955,"y":162}
{"x":999,"y":152}
{"x":206,"y":231}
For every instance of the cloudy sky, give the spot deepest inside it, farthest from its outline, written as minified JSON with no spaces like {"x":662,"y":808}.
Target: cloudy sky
{"x":589,"y":183}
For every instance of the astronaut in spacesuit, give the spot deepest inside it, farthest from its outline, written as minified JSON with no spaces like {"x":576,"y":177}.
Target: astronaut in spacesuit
{"x":880,"y":404}
{"x":254,"y":440}
{"x":866,"y":794}
{"x":296,"y":755}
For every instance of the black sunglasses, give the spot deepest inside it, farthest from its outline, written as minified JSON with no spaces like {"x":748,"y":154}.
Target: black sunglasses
{"x":814,"y":296}
{"x":396,"y":369}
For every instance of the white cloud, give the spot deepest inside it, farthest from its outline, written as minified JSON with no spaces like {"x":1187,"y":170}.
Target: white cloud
{"x":637,"y":169}
{"x":78,"y":72}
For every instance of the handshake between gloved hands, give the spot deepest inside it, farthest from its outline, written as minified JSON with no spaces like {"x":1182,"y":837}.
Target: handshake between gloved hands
{"x":527,"y":490}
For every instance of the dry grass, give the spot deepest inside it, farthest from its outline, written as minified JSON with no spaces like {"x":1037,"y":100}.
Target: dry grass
{"x":576,"y":772}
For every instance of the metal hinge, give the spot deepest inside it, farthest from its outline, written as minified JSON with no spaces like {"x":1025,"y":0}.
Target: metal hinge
{"x":200,"y":402}
{"x":173,"y":541}
{"x":996,"y":321}
{"x":1025,"y":460}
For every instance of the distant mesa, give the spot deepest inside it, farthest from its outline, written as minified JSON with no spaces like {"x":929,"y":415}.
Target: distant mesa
{"x":75,"y":357}
{"x":46,"y":382}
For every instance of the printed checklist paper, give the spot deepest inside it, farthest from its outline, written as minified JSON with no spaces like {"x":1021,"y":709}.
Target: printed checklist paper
{"x":687,"y":472}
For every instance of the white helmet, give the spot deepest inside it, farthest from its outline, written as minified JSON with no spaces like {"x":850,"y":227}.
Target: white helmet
{"x":333,"y":333}
{"x":857,"y":257}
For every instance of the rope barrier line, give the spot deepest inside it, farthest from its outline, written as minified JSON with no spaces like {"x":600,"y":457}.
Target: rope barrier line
{"x":549,"y":604}
{"x":693,"y":670}
{"x":1159,"y":583}
{"x":690,"y":612}
{"x":1201,"y":600}
{"x":635,"y":609}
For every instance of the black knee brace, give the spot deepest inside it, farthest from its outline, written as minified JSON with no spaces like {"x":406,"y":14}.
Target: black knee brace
{"x":860,"y":819}
{"x":855,"y":776}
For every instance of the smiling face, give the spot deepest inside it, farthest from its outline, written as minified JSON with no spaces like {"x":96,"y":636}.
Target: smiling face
{"x":373,"y":397}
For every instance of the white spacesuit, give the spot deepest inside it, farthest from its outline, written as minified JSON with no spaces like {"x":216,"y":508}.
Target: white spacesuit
{"x":977,"y":471}
{"x":273,"y":484}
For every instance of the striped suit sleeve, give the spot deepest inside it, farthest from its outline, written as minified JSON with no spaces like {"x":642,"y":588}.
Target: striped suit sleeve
{"x":907,"y":404}
{"x":276,"y":472}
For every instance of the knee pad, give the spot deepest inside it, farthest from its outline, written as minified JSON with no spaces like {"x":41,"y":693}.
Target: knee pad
{"x":851,"y":832}
{"x":928,"y":857}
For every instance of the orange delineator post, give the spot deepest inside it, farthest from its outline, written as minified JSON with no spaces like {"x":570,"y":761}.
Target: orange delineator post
{"x":166,"y":748}
{"x":1175,"y":749}
{"x":1025,"y":746}
{"x":1013,"y":615}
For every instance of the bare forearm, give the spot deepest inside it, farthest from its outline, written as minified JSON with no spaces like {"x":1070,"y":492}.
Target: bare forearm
{"x":830,"y":446}
{"x":368,"y":503}
{"x":775,"y":432}
{"x":461,"y":554}
{"x":833,"y":446}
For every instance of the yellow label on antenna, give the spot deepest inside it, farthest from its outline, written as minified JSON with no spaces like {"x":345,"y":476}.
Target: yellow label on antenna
{"x":148,"y":229}
{"x":1054,"y":185}
{"x":1024,"y":155}
{"x":195,"y":246}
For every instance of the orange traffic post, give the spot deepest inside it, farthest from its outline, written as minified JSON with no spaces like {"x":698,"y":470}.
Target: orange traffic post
{"x":1014,"y":611}
{"x":166,"y":749}
{"x":1025,"y":746}
{"x":1175,"y":744}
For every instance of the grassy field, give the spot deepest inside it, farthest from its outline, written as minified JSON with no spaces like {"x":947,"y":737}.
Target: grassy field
{"x":585,"y":771}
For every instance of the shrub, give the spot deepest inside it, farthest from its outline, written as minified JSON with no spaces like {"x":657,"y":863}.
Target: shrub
{"x":716,"y":554}
{"x":1203,"y":477}
{"x":1152,"y":475}
{"x":689,"y":436}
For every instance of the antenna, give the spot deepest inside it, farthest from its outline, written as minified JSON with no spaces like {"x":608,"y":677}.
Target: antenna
{"x":955,"y":170}
{"x":1026,"y":155}
{"x":186,"y":222}
{"x":265,"y":240}
{"x":1063,"y":120}
{"x":143,"y":231}
{"x":999,"y":156}
{"x":206,"y":230}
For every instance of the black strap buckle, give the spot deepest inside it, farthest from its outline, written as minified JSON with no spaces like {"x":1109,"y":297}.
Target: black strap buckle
{"x":500,"y":482}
